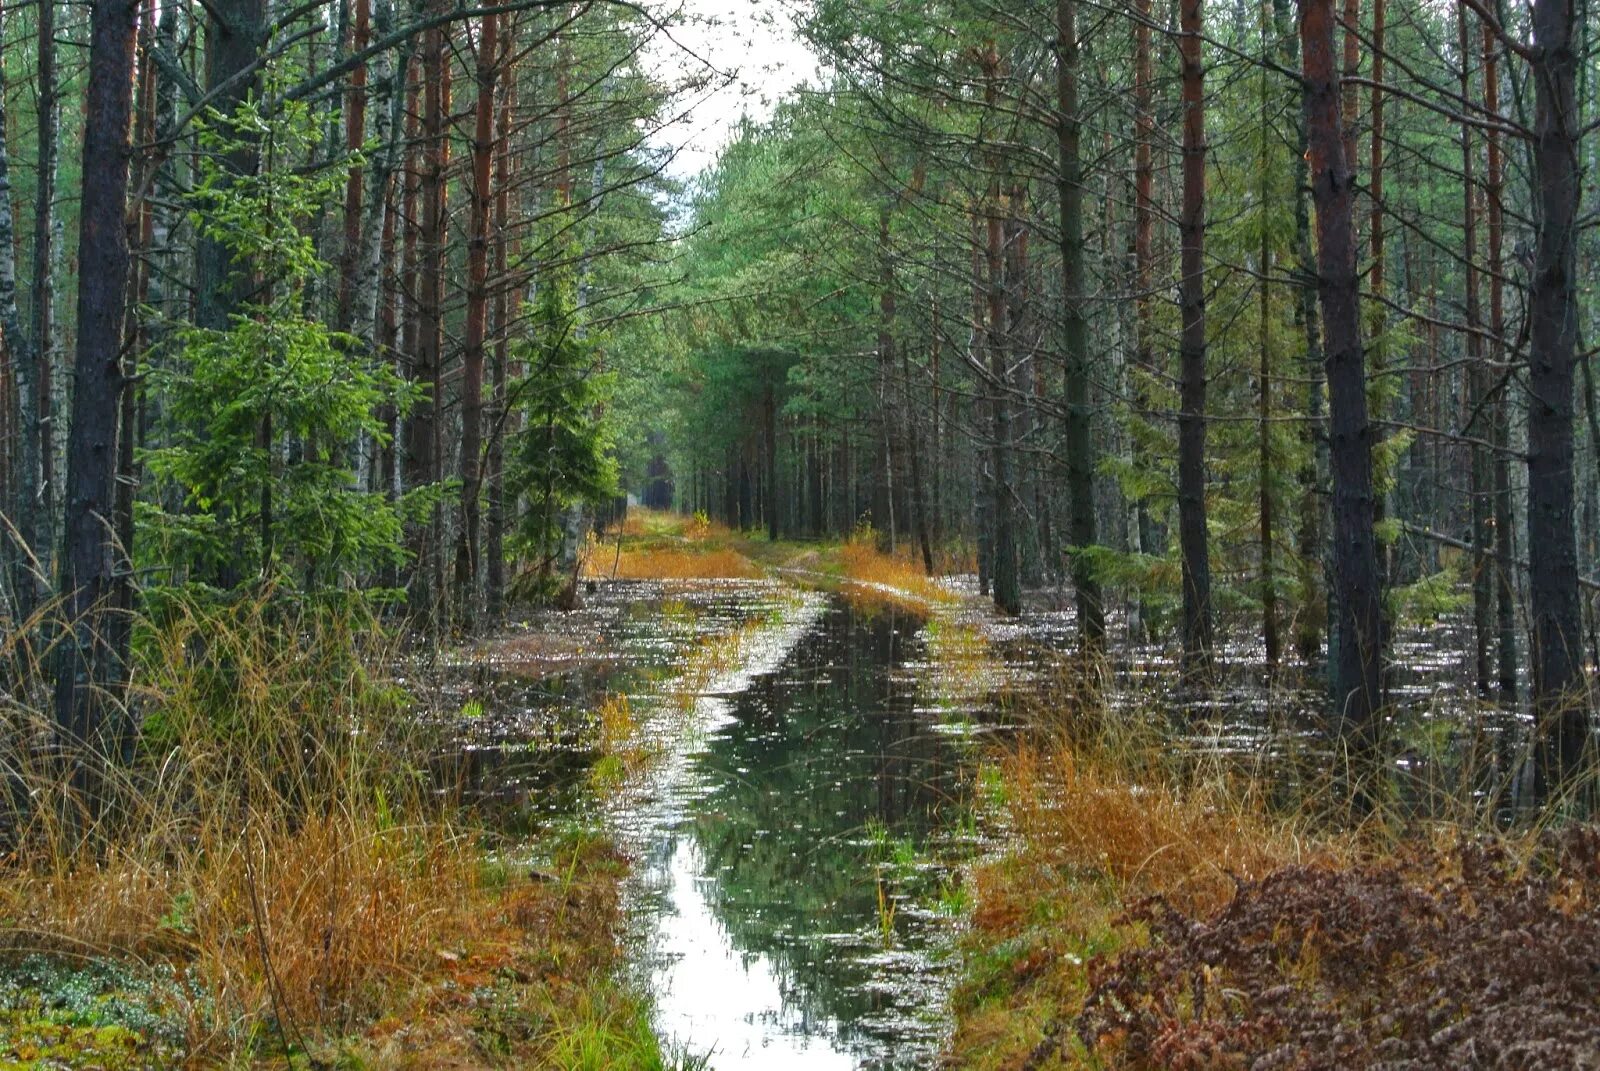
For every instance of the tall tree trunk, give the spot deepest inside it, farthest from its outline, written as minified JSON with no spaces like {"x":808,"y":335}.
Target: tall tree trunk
{"x":1475,"y":427}
{"x":883,"y":497}
{"x":90,"y":668}
{"x":351,"y":263}
{"x":983,"y":475}
{"x":1192,"y":534}
{"x":1378,"y":317}
{"x":1311,"y":477}
{"x":423,"y":433}
{"x":1005,"y":569}
{"x":1264,"y":460}
{"x":235,"y":34}
{"x":468,"y":539}
{"x":913,"y":447}
{"x":1560,"y":702}
{"x":1356,"y":675}
{"x":769,"y":422}
{"x":43,"y":300}
{"x":388,"y":79}
{"x":494,"y":540}
{"x":1506,"y":587}
{"x":28,"y":576}
{"x":1079,"y":444}
{"x":1351,"y":92}
{"x":1143,"y":266}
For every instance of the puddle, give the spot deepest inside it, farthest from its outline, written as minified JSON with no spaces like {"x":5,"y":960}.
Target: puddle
{"x":798,"y":829}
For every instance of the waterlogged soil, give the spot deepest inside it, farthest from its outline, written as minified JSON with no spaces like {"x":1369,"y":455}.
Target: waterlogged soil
{"x":801,"y":790}
{"x":797,"y":824}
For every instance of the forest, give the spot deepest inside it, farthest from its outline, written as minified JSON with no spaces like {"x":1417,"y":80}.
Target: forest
{"x":1064,"y":533}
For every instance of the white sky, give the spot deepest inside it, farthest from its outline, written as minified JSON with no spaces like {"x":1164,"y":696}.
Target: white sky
{"x":751,"y":39}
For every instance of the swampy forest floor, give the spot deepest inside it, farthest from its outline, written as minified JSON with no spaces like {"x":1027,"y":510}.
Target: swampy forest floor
{"x":782,"y":804}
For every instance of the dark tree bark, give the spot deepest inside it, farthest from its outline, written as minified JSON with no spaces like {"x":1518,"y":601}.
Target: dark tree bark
{"x":43,"y":299}
{"x":90,"y":668}
{"x":884,"y":489}
{"x":1264,"y":460}
{"x":1506,"y":590}
{"x":236,"y":32}
{"x":27,"y":576}
{"x":423,"y":432}
{"x":769,"y":422}
{"x":468,"y":539}
{"x":351,"y":262}
{"x":1475,"y":428}
{"x":1356,"y":676}
{"x":1081,"y":532}
{"x":1192,"y":533}
{"x":494,"y":542}
{"x":1150,"y":536}
{"x":1560,"y":702}
{"x":1312,"y":475}
{"x":1005,"y":575}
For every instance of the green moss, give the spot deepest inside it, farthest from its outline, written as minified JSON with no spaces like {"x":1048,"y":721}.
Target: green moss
{"x":98,"y":1014}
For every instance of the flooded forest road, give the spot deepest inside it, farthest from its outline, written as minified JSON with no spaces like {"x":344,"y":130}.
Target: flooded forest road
{"x":803,"y":763}
{"x":790,"y":772}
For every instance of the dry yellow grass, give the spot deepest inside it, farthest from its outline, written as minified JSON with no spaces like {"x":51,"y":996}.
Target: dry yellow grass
{"x":674,"y":563}
{"x":873,"y":576}
{"x":276,"y":845}
{"x":1182,"y":841}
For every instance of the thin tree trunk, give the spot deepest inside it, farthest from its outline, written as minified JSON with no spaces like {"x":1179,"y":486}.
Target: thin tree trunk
{"x":1560,"y":705}
{"x":1473,"y":428}
{"x":1081,"y":533}
{"x":91,"y":668}
{"x":1192,"y":533}
{"x":1314,"y":599}
{"x":423,"y":433}
{"x":494,"y":539}
{"x":28,"y":575}
{"x":351,"y":262}
{"x":43,"y":300}
{"x":468,"y":540}
{"x":884,"y":496}
{"x":1264,"y":460}
{"x":1143,"y":266}
{"x":1506,"y":601}
{"x":1359,"y":623}
{"x":1005,"y":577}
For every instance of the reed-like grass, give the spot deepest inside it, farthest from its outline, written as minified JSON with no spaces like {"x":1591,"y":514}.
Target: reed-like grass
{"x":872,"y":575}
{"x":275,"y":851}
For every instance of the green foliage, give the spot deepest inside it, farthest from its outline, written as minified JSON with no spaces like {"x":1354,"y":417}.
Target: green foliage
{"x":1430,"y":597}
{"x":254,"y":480}
{"x":562,"y":456}
{"x":94,"y":1014}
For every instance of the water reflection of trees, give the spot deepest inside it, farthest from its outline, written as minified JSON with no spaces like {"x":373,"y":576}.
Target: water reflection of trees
{"x":816,"y":754}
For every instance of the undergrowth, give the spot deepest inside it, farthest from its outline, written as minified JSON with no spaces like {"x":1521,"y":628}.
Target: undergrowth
{"x":273,"y":873}
{"x":873,"y":576}
{"x":1160,"y":909}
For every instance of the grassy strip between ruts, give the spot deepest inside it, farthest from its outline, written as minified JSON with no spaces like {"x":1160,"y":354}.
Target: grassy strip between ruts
{"x":654,"y":545}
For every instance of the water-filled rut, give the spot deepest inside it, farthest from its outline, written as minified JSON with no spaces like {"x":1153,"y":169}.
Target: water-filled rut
{"x":794,"y":826}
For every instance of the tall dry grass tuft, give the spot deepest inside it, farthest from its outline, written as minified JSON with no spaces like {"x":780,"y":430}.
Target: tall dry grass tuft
{"x":874,"y":576}
{"x":1186,"y":841}
{"x":274,"y":836}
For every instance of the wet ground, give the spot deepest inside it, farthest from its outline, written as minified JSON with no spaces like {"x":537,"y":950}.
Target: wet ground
{"x":798,"y":828}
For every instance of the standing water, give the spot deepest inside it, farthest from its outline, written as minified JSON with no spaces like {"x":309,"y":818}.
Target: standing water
{"x":792,"y":844}
{"x":795,"y":830}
